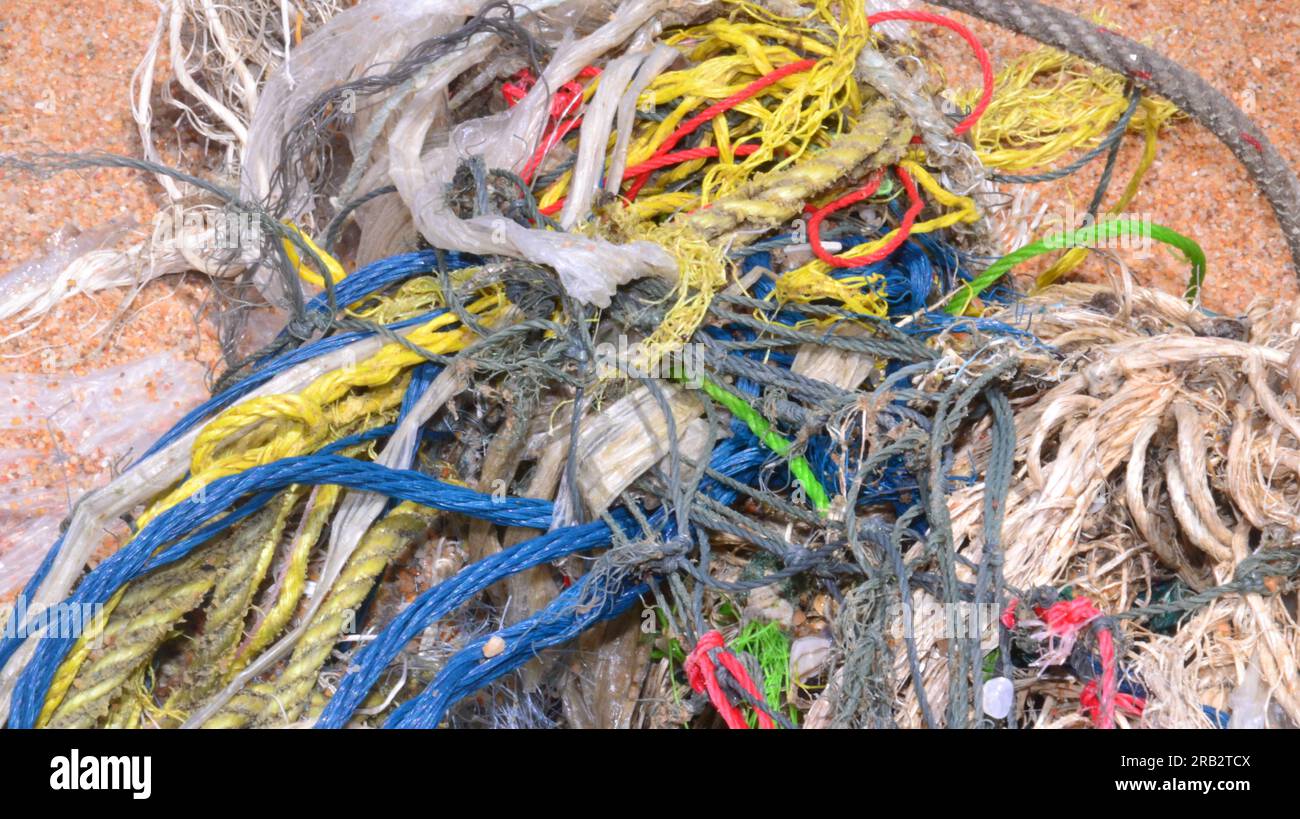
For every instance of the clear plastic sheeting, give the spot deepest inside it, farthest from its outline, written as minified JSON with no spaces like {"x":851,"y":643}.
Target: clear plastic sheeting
{"x":75,"y":260}
{"x":62,"y":435}
{"x":347,"y":47}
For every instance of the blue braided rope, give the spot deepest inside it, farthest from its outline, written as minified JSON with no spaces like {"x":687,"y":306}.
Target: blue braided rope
{"x":369,"y":279}
{"x":439,"y":601}
{"x":575,"y":610}
{"x":222,"y":494}
{"x":738,"y":457}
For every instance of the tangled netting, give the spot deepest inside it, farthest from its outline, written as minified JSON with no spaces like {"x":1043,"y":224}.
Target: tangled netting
{"x":660,"y":364}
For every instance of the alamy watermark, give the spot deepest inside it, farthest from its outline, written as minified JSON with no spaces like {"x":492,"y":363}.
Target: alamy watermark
{"x":1069,"y":228}
{"x":75,"y":771}
{"x":63,"y":620}
{"x":210,"y":229}
{"x":632,"y":359}
{"x":950,"y":621}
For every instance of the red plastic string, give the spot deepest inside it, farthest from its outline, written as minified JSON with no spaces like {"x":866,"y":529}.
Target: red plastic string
{"x":655,"y":163}
{"x":703,"y":677}
{"x":1009,"y":613}
{"x":1109,"y":679}
{"x":549,"y":141}
{"x":904,"y":228}
{"x":569,"y":95}
{"x":1090,"y":705}
{"x":719,"y":107}
{"x":524,"y":81}
{"x":1065,"y":617}
{"x":986,"y":64}
{"x":1101,"y":697}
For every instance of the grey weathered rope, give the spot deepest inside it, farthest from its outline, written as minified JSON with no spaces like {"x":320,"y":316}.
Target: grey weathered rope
{"x":1249,"y":578}
{"x":997,"y":486}
{"x":1107,"y":171}
{"x":894,"y":546}
{"x":770,"y":499}
{"x":335,"y":226}
{"x":910,"y":348}
{"x":814,"y":390}
{"x":948,"y":416}
{"x":780,"y":336}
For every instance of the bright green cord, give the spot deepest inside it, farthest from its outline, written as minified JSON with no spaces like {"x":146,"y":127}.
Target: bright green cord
{"x":799,"y":466}
{"x":771,"y":647}
{"x":1085,"y":237}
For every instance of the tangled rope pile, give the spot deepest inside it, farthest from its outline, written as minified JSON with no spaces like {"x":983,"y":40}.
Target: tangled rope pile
{"x":680,"y":376}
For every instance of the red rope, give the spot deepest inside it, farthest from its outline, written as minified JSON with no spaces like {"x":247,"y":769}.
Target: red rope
{"x":569,"y":95}
{"x":719,"y":107}
{"x":986,"y":64}
{"x":703,"y":677}
{"x":904,"y":228}
{"x":1109,"y":679}
{"x":655,"y":163}
{"x":1009,"y":613}
{"x":548,"y":142}
{"x":1089,"y":705}
{"x":1066,"y":617}
{"x":1101,"y":701}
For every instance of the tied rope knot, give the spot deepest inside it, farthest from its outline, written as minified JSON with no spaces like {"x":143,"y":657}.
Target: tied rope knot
{"x":651,"y":555}
{"x":670,"y":556}
{"x":1062,"y":622}
{"x":701,"y":670}
{"x":305,"y":326}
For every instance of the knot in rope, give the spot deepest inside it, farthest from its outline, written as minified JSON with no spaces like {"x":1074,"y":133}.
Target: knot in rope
{"x":701,"y":670}
{"x":304,"y":326}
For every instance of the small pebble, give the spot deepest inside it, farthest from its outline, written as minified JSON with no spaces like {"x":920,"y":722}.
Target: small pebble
{"x":494,"y":646}
{"x":808,"y":655}
{"x":999,"y":693}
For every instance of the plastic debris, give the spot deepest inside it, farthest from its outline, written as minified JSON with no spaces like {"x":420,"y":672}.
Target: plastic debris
{"x":656,"y":363}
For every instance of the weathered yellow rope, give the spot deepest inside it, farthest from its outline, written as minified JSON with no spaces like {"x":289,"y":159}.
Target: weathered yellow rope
{"x":319,"y":509}
{"x":878,"y":138}
{"x":225,"y":615}
{"x":145,"y":618}
{"x":288,"y":696}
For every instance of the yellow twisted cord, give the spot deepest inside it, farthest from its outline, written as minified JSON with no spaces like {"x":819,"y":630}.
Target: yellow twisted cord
{"x":284,"y":417}
{"x":332,"y":265}
{"x":295,"y":580}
